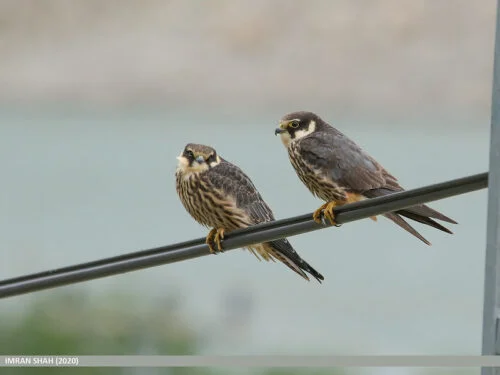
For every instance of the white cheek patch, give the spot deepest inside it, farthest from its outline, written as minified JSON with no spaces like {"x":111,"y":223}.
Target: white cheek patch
{"x":183,"y":163}
{"x":287,"y":139}
{"x":215,"y":163}
{"x":305,"y":132}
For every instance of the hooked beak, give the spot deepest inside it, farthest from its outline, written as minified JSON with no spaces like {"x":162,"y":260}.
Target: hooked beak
{"x":200,"y":159}
{"x":282,"y":128}
{"x":279,"y":131}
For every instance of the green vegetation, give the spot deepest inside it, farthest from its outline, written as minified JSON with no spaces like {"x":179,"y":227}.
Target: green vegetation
{"x":76,"y":324}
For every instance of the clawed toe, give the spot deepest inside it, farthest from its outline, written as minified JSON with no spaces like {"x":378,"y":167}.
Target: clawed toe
{"x":326,"y":211}
{"x":213,"y":240}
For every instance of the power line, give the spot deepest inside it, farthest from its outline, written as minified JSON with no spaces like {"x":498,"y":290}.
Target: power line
{"x":240,"y":238}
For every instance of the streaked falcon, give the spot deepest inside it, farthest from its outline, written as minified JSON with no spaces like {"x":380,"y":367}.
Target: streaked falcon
{"x":219,"y":195}
{"x":338,"y":171}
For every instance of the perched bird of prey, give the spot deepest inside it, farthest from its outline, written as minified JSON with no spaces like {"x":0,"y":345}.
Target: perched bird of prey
{"x":338,"y":171}
{"x":218,"y":194}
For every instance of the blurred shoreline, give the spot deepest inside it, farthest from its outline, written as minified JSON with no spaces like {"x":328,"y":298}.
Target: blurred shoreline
{"x":388,"y":56}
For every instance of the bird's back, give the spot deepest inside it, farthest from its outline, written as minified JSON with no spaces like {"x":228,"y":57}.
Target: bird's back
{"x":339,"y":161}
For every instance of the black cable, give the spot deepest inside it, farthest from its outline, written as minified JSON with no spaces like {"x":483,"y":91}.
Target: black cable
{"x":240,"y":238}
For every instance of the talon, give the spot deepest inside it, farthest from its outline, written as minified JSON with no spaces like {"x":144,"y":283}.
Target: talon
{"x":219,"y":236}
{"x":213,"y":240}
{"x":318,"y":214}
{"x":326,"y":211}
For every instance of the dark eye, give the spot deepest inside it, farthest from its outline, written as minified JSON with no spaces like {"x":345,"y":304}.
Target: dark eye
{"x":294,"y":124}
{"x":190,"y":154}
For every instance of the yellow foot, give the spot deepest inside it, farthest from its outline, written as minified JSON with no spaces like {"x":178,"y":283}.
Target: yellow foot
{"x":318,"y":214}
{"x":374,"y":218}
{"x":214,"y":237}
{"x":326,"y":210}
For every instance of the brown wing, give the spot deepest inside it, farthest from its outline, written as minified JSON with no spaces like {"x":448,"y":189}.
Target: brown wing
{"x":345,"y":162}
{"x":233,"y":181}
{"x":348,"y":165}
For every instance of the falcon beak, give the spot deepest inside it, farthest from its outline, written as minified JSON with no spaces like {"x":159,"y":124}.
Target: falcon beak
{"x":282,"y":129}
{"x":200,"y":159}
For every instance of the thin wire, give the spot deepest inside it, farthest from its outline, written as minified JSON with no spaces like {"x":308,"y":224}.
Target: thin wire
{"x":240,"y":238}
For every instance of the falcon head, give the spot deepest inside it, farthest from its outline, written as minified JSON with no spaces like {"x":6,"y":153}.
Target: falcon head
{"x":296,"y":125}
{"x":197,"y":158}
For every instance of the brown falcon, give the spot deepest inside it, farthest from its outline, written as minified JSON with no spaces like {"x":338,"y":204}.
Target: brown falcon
{"x":338,"y":171}
{"x":218,"y":194}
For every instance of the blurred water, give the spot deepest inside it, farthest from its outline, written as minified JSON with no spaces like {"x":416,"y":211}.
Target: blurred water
{"x":80,"y":185}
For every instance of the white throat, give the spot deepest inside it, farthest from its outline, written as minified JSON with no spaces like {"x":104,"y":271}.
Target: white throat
{"x":186,"y":170}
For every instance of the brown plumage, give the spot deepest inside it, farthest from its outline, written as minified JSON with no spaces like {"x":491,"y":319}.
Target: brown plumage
{"x":218,"y":194}
{"x":338,"y":171}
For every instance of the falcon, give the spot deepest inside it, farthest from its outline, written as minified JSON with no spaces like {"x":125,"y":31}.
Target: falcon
{"x":335,"y":169}
{"x":220,"y":195}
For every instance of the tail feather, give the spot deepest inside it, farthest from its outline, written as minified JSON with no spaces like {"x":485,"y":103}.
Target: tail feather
{"x":420,"y":213}
{"x":426,"y":211}
{"x":284,"y":252}
{"x":420,"y":210}
{"x":403,"y":224}
{"x":424,"y":220}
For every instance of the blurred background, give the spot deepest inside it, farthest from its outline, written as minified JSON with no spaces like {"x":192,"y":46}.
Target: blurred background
{"x":97,"y":98}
